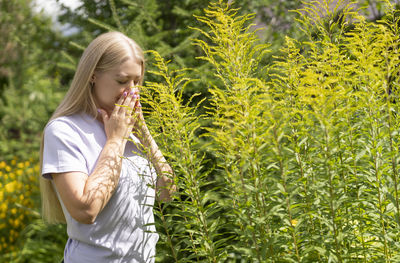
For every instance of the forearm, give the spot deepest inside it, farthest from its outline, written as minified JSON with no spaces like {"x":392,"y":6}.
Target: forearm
{"x":103,"y":181}
{"x":165,"y":177}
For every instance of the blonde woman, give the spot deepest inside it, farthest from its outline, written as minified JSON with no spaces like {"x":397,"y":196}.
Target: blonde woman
{"x":96,"y":152}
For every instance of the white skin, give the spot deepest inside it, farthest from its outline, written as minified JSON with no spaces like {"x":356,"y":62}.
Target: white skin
{"x":86,"y":195}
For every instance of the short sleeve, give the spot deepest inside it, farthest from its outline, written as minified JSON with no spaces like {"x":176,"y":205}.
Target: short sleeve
{"x":61,"y":150}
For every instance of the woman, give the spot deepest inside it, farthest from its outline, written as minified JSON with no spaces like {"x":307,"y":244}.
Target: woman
{"x":94,"y":174}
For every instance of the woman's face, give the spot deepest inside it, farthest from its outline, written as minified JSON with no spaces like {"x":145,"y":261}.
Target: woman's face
{"x":110,"y":85}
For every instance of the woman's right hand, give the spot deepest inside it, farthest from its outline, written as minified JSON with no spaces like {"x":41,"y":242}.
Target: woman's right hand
{"x":118,"y":125}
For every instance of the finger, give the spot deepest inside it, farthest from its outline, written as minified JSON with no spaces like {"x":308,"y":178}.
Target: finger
{"x":125,"y":108}
{"x":135,"y":118}
{"x":120,"y":102}
{"x":133,"y":103}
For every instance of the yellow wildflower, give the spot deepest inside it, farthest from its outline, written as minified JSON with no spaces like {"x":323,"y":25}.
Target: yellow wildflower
{"x":293,"y":222}
{"x":14,"y":211}
{"x":20,"y":165}
{"x":11,"y":175}
{"x":2,"y":165}
{"x":10,"y":187}
{"x":13,"y":162}
{"x":27,"y":163}
{"x":19,"y":172}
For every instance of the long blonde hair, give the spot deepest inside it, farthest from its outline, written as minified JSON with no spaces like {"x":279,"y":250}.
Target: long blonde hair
{"x":103,"y":53}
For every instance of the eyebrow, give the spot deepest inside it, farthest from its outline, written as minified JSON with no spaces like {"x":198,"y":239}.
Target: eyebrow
{"x":128,"y":76}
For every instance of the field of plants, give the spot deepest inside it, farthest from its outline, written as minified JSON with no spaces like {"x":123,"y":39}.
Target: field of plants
{"x":284,"y":139}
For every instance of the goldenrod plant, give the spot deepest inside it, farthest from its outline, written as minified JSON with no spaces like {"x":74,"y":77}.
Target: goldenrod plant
{"x":306,"y":156}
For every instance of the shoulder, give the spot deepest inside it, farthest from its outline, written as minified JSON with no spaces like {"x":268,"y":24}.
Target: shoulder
{"x":67,"y":124}
{"x":65,"y":127}
{"x":60,"y":123}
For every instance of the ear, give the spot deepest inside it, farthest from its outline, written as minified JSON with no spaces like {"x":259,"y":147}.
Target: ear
{"x":93,"y":78}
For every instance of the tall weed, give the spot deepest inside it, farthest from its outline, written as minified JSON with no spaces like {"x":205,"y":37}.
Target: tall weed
{"x":299,"y":165}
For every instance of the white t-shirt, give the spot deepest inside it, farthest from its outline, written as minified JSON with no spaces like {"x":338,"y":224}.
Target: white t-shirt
{"x":124,"y":230}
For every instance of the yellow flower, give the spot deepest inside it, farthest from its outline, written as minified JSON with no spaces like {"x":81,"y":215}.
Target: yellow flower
{"x":10,"y":187}
{"x":8,"y":168}
{"x":20,"y":165}
{"x":2,"y":165}
{"x":12,"y":175}
{"x":1,"y":196}
{"x":16,"y":223}
{"x":14,"y":211}
{"x":19,"y":172}
{"x":293,"y":222}
{"x":13,"y":162}
{"x":21,"y":197}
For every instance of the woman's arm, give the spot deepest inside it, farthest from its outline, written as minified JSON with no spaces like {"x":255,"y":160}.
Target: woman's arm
{"x":165,"y":186}
{"x":85,"y":196}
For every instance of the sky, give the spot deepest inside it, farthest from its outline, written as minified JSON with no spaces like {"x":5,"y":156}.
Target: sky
{"x":52,"y":9}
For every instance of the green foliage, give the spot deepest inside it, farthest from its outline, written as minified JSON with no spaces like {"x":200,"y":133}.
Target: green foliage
{"x":29,"y":85}
{"x":41,"y":243}
{"x":24,"y":113}
{"x":306,"y":164}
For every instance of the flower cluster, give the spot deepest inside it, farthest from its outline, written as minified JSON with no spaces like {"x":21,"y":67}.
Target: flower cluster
{"x":19,"y":194}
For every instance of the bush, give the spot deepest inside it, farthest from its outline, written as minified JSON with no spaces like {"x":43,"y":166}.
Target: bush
{"x":18,"y":202}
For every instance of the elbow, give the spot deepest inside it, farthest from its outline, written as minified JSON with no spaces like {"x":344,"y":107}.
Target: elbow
{"x":85,"y":217}
{"x":167,"y":195}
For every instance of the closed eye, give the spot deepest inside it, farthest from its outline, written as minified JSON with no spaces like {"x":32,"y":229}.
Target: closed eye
{"x":122,"y":82}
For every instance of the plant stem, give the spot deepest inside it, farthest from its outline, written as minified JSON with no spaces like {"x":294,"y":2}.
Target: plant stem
{"x":331,"y":195}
